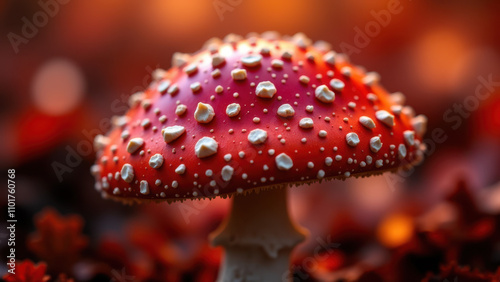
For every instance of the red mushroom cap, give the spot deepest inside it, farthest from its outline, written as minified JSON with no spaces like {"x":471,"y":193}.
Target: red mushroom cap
{"x":252,"y":113}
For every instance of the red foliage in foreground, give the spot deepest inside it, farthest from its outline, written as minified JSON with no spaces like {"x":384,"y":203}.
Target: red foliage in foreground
{"x":27,"y":271}
{"x":452,"y":272}
{"x":58,"y":239}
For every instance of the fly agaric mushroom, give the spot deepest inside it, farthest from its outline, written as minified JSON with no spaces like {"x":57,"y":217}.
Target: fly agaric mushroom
{"x":246,"y":115}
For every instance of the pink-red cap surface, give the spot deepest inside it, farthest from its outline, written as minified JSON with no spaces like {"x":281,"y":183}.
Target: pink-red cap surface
{"x":251,"y":113}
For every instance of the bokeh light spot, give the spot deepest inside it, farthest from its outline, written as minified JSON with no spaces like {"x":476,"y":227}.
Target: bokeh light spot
{"x":395,"y":230}
{"x":58,"y":87}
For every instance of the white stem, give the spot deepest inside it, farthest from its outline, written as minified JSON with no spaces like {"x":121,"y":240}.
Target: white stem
{"x":258,"y":237}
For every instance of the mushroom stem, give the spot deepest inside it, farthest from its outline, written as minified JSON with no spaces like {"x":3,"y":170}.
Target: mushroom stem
{"x":258,"y":237}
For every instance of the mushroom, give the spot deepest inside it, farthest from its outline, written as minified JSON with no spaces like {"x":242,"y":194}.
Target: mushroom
{"x":245,"y":118}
